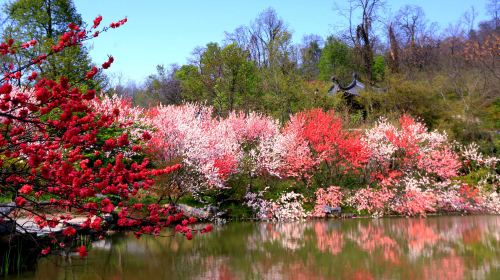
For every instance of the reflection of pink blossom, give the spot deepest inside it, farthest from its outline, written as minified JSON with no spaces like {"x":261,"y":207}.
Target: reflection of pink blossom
{"x":328,"y":241}
{"x":371,"y":237}
{"x":420,"y":235}
{"x":451,"y":267}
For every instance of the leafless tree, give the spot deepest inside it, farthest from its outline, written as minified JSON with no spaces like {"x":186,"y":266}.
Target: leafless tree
{"x":361,"y":34}
{"x":394,"y":50}
{"x":163,"y":86}
{"x":267,"y":38}
{"x":310,"y":53}
{"x":411,"y":21}
{"x":469,"y":18}
{"x":493,"y":8}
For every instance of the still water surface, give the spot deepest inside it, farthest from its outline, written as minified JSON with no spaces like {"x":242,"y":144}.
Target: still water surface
{"x":393,"y":248}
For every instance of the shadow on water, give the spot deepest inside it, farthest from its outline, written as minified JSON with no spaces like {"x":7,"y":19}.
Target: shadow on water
{"x":396,"y":248}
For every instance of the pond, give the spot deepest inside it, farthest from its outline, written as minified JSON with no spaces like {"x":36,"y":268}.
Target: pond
{"x":446,"y":247}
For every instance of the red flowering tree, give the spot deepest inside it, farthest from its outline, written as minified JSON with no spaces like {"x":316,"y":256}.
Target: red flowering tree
{"x":286,"y":154}
{"x":310,"y":140}
{"x":330,"y":141}
{"x":58,"y":154}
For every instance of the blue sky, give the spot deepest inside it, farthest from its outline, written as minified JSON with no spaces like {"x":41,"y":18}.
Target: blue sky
{"x":166,"y":31}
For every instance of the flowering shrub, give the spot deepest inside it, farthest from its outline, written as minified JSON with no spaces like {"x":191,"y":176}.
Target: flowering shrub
{"x":308,"y":139}
{"x":408,"y":149}
{"x":286,"y":208}
{"x":331,"y":197}
{"x":261,"y":206}
{"x":410,"y":170}
{"x":329,"y":140}
{"x":480,"y":192}
{"x":251,"y":127}
{"x":372,"y":200}
{"x":472,"y":156}
{"x":126,"y":116}
{"x":414,"y":202}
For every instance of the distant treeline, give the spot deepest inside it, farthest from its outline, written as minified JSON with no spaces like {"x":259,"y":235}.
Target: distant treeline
{"x":448,"y":78}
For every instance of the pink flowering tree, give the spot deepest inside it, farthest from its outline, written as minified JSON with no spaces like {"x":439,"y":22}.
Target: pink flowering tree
{"x":411,"y":164}
{"x":409,"y":148}
{"x":285,"y":154}
{"x":212,"y":150}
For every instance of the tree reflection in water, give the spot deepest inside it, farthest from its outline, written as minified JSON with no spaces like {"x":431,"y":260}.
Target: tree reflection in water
{"x":432,"y":248}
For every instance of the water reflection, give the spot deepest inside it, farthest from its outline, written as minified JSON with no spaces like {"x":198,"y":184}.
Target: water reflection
{"x":432,"y":248}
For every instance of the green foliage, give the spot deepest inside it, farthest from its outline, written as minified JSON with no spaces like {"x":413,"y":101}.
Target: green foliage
{"x":224,"y":78}
{"x":473,"y":177}
{"x":378,"y":68}
{"x":416,"y":98}
{"x":336,"y":59}
{"x":191,"y":83}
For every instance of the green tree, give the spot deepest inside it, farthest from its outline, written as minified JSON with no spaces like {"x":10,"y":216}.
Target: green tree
{"x":378,"y":68}
{"x":192,"y":88}
{"x":224,"y":77}
{"x":336,"y":59}
{"x":238,"y":87}
{"x":269,"y":43}
{"x":45,"y":21}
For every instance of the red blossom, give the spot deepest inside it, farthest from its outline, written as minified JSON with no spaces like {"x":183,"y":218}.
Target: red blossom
{"x":146,"y":136}
{"x":97,"y":21}
{"x":46,"y":251}
{"x":96,"y":224}
{"x":33,"y":76}
{"x":123,"y":140}
{"x":108,"y":63}
{"x":208,"y":228}
{"x":6,"y":88}
{"x":107,"y":206}
{"x":90,"y":75}
{"x":20,"y":201}
{"x":73,"y":26}
{"x":90,"y":94}
{"x":26,"y":189}
{"x":69,"y":231}
{"x":82,"y":251}
{"x":109,"y":144}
